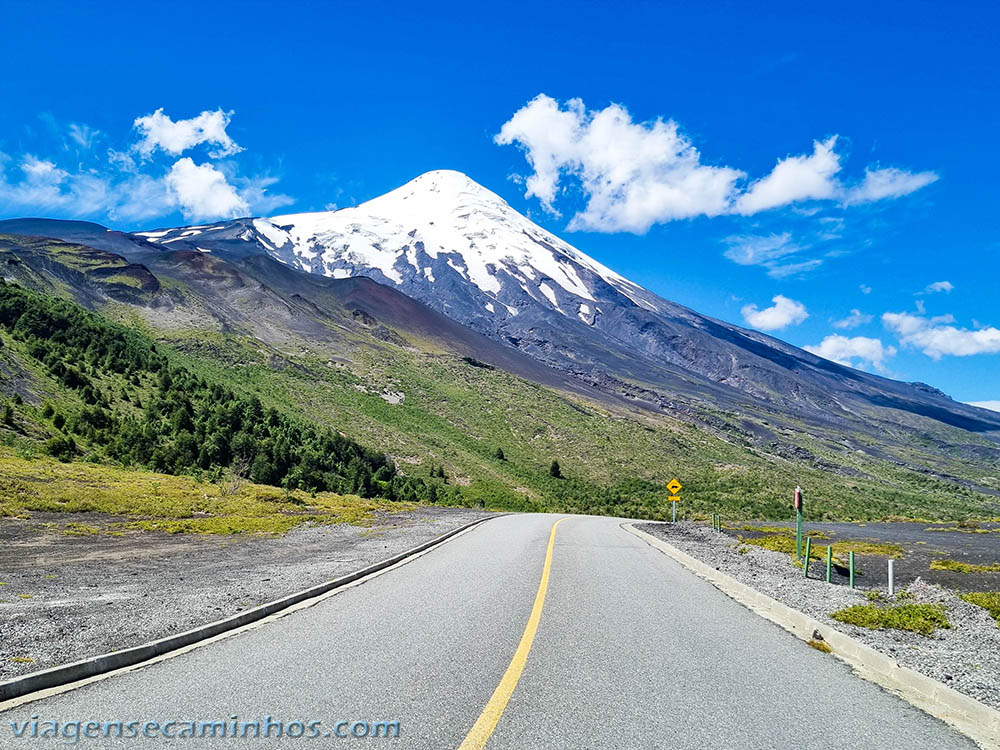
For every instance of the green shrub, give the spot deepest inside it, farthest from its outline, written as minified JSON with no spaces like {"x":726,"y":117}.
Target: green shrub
{"x":961,"y":567}
{"x":988,"y":600}
{"x":917,"y":618}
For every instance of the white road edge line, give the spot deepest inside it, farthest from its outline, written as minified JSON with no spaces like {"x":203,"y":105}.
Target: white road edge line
{"x":305,"y":604}
{"x":975,"y":720}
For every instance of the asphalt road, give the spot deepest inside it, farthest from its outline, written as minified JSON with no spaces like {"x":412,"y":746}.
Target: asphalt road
{"x":631,"y":652}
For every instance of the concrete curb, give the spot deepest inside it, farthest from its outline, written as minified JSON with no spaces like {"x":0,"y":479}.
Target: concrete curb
{"x":97,"y":665}
{"x":975,"y":720}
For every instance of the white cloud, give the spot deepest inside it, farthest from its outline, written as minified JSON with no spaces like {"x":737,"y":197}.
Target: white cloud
{"x":793,"y":179}
{"x":633,"y":174}
{"x":45,"y":187}
{"x":176,"y":137}
{"x":783,"y":313}
{"x":636,"y":174}
{"x":123,"y":185}
{"x":790,"y":269}
{"x":937,"y":337}
{"x":759,"y":250}
{"x":202,"y":192}
{"x":84,"y":135}
{"x":255,"y":191}
{"x":865,"y":289}
{"x":991,"y":405}
{"x":845,"y":351}
{"x":855,"y":319}
{"x":940,"y":286}
{"x":772,"y":251}
{"x":880,"y":184}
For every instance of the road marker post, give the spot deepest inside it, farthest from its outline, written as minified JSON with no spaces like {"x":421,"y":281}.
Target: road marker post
{"x":892,"y":579}
{"x":798,"y":522}
{"x":805,"y":563}
{"x":829,"y":561}
{"x":850,"y":558}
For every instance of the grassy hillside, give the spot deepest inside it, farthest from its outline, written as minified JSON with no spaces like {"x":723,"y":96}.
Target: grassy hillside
{"x":128,"y":500}
{"x":424,"y":422}
{"x":457,"y":414}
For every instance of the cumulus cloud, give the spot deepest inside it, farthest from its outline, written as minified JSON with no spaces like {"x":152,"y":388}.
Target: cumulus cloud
{"x":940,"y":286}
{"x":937,"y":336}
{"x":633,"y":174}
{"x":793,"y":179}
{"x":783,"y":313}
{"x":177,"y":136}
{"x":991,"y":405}
{"x":128,"y":184}
{"x":855,"y":319}
{"x":880,"y":184}
{"x":202,"y":192}
{"x":853,"y":351}
{"x":636,"y":174}
{"x":865,"y":289}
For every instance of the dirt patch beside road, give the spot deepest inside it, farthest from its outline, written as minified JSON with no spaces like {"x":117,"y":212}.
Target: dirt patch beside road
{"x":65,"y":597}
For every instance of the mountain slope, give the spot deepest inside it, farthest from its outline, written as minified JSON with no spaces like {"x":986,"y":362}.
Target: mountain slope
{"x":449,"y":242}
{"x":389,"y":372}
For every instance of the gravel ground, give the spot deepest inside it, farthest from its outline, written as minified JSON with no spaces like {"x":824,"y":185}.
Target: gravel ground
{"x":965,"y":657}
{"x":64,"y":597}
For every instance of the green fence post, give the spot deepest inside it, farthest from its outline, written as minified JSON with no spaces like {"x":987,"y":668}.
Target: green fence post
{"x":851,"y":564}
{"x":805,"y":563}
{"x":829,"y":561}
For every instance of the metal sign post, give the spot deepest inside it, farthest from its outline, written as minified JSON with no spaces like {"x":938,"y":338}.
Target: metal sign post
{"x":674,"y":487}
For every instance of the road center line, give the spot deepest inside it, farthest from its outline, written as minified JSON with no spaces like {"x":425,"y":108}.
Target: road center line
{"x":482,"y":730}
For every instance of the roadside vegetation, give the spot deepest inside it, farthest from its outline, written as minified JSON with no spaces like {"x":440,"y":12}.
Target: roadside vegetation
{"x":917,"y":618}
{"x":785,"y":542}
{"x":123,"y":499}
{"x":988,"y":600}
{"x":961,"y":567}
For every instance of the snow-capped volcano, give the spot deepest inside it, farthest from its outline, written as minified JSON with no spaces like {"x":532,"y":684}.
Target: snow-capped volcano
{"x":443,"y":220}
{"x":452,"y":244}
{"x":440,"y":229}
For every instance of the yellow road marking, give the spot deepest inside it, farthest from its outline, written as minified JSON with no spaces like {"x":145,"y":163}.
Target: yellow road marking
{"x":482,"y":730}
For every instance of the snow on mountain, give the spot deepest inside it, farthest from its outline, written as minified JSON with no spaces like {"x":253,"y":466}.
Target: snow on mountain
{"x":438,"y":226}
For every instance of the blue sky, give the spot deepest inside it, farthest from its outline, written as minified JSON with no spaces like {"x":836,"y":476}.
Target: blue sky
{"x":779,"y":168}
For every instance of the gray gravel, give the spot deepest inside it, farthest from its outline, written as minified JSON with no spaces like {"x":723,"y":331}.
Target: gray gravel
{"x":965,"y":657}
{"x":68,"y":597}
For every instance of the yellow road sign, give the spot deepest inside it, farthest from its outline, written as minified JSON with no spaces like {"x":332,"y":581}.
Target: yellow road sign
{"x":674,"y":486}
{"x":675,"y":498}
